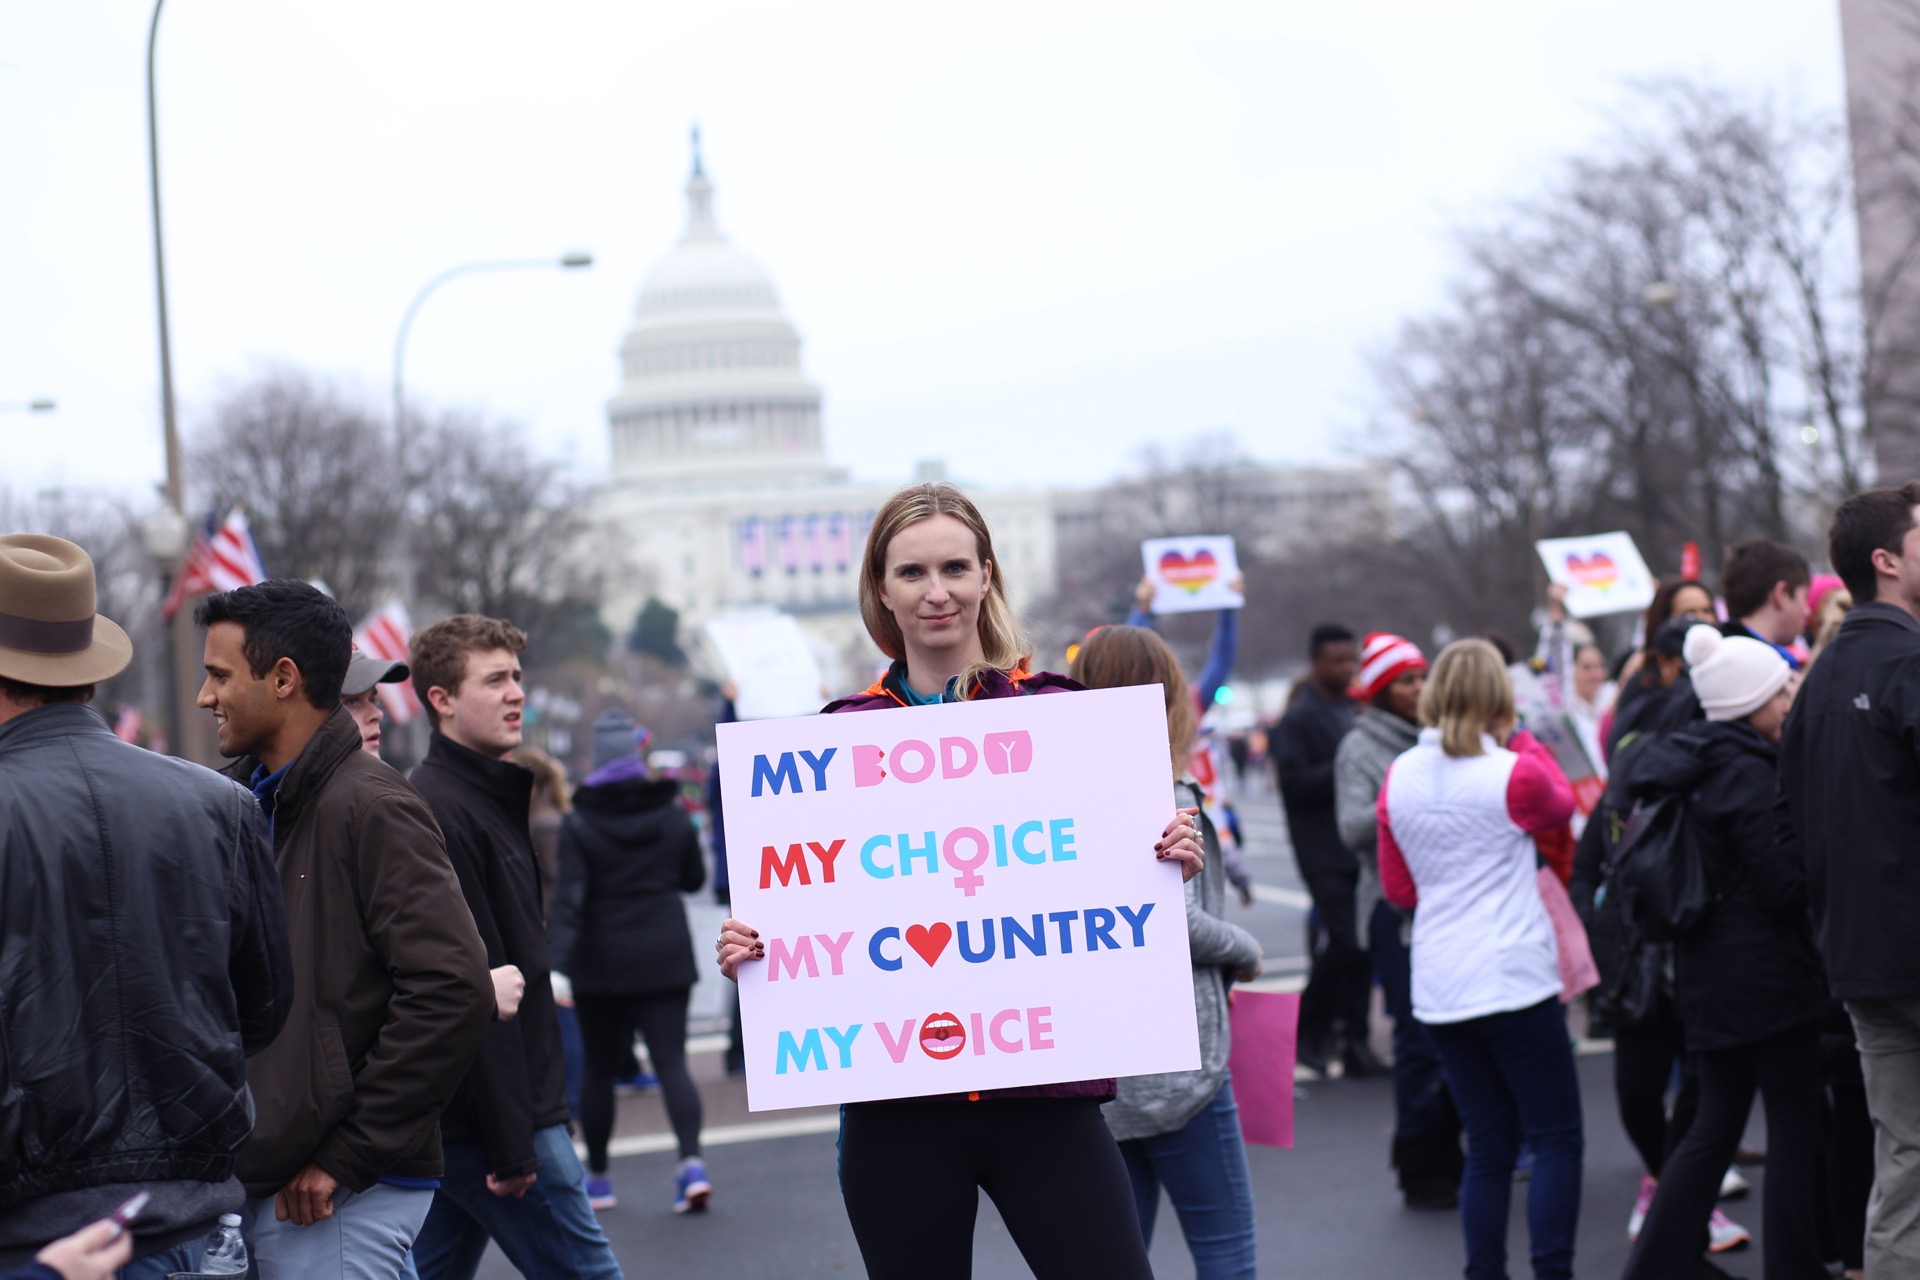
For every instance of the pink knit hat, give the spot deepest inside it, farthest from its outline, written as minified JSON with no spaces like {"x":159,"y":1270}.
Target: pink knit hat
{"x":1384,"y":658}
{"x":1823,"y":584}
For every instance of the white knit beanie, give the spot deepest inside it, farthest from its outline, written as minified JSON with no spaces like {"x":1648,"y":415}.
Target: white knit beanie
{"x":1733,"y":676}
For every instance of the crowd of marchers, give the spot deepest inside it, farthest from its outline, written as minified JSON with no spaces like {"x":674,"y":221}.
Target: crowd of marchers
{"x":1744,"y":874}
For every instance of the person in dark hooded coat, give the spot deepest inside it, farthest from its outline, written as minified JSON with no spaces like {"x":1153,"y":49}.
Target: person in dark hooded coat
{"x":628,"y":851}
{"x":1749,"y":982}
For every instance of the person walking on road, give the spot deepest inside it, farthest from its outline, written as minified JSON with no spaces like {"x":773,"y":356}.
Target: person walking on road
{"x":619,"y":933}
{"x":1748,"y":980}
{"x":1458,"y":814}
{"x":934,"y":599}
{"x":143,"y":945}
{"x":1850,"y":793}
{"x":391,"y":992}
{"x":1335,"y":1004}
{"x":512,"y":1175}
{"x":1181,"y":1129}
{"x":1426,"y":1128}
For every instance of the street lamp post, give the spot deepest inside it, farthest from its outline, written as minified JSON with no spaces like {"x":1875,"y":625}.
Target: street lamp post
{"x":409,"y":566}
{"x":190,"y":737}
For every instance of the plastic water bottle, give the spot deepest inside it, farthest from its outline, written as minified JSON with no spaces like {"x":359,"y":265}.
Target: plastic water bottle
{"x":226,"y":1252}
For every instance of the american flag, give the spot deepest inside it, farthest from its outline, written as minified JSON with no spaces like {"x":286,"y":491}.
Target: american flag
{"x":221,"y":558}
{"x":753,"y":545}
{"x":385,"y":633}
{"x":789,"y":543}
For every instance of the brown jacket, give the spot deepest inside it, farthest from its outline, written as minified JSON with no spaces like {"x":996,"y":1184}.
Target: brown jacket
{"x":391,"y":992}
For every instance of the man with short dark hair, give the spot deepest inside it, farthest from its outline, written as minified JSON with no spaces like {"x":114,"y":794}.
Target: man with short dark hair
{"x":1850,"y":804}
{"x":1339,"y":985}
{"x":512,"y":1173}
{"x":392,"y":996}
{"x":143,"y":949}
{"x":1765,"y":585}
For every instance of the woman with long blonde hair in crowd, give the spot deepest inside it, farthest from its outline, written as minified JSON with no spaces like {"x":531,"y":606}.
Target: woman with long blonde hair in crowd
{"x":934,"y":599}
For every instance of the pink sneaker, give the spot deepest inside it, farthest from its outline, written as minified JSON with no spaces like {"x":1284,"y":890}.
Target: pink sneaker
{"x":1724,"y":1234}
{"x":1641,"y":1203}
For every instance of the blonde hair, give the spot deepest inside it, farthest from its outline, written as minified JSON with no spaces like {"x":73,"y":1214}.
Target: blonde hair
{"x":1115,"y":657}
{"x":1467,"y":693}
{"x":548,"y":773}
{"x":1003,"y":645}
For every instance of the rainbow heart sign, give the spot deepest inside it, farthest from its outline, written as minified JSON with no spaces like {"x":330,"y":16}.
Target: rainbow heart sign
{"x":1193,"y":574}
{"x":1603,"y":573}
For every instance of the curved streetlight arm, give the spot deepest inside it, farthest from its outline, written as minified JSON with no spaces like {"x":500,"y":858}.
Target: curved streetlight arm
{"x":571,"y":260}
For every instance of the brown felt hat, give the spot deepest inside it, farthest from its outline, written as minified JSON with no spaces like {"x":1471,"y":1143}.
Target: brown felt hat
{"x":49,"y":633}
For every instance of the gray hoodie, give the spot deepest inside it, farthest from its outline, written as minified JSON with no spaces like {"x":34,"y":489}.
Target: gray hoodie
{"x":1149,"y":1105}
{"x":1359,"y":769}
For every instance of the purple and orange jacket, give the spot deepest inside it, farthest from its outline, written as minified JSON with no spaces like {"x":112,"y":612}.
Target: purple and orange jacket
{"x":887,"y":692}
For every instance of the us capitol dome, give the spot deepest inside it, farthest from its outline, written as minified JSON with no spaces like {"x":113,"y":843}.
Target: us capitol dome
{"x":720,"y":495}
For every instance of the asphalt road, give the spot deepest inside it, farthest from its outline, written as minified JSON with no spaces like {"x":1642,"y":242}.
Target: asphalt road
{"x":1328,"y":1207}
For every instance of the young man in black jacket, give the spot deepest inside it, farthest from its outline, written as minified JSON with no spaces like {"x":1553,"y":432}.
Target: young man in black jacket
{"x":1339,"y":985}
{"x":512,"y":1175}
{"x":1850,"y":797}
{"x":143,"y":936}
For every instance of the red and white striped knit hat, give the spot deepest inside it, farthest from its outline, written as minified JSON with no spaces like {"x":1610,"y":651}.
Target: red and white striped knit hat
{"x":1384,"y":658}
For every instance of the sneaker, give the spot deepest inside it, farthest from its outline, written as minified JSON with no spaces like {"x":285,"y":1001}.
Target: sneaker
{"x":1641,"y":1203}
{"x":1724,"y":1234}
{"x":691,"y":1190}
{"x":600,"y":1192}
{"x":1734,"y":1186}
{"x":638,"y":1082}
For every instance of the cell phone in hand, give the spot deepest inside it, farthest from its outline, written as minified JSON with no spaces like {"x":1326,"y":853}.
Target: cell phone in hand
{"x":122,"y":1218}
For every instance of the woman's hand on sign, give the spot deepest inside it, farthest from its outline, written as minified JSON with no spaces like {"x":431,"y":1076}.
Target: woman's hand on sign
{"x":1181,"y":842}
{"x":737,"y":944}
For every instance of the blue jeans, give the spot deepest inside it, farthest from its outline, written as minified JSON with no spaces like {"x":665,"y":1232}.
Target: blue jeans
{"x":1512,"y":1076}
{"x":158,"y":1266}
{"x":1203,"y":1166}
{"x":573,"y":1056}
{"x":550,"y":1231}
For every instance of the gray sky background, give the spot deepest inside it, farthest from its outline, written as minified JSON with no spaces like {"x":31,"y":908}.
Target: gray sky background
{"x":1028,"y":238}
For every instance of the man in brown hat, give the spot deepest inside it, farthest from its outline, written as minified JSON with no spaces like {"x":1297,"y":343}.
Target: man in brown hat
{"x":143,"y":945}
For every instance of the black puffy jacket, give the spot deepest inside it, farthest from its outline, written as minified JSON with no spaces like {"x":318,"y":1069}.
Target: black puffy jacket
{"x":1749,"y":970}
{"x":143,"y":956}
{"x":627,"y":853}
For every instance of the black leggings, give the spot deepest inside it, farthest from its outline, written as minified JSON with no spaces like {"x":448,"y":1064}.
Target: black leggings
{"x":1643,"y":1059}
{"x":607,"y":1024}
{"x":909,"y":1172}
{"x":1339,"y":991}
{"x":1786,"y":1069}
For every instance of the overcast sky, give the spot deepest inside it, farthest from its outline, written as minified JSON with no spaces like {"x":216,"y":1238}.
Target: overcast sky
{"x":1026,"y":237}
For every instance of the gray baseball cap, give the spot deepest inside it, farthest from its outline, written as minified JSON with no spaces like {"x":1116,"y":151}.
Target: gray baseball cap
{"x":365,"y":671}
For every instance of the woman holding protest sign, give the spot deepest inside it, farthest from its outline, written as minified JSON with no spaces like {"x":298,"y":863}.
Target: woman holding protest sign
{"x":1181,"y":1129}
{"x":934,"y":600}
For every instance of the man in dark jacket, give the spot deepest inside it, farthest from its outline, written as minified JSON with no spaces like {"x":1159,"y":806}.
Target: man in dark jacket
{"x":1766,"y":585}
{"x":143,"y":948}
{"x":512,"y":1175}
{"x":1304,"y":745}
{"x":391,"y":992}
{"x":1850,"y":796}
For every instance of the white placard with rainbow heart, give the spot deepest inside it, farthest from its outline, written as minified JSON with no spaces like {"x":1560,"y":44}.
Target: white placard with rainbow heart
{"x":1602,"y":572}
{"x":1193,"y":574}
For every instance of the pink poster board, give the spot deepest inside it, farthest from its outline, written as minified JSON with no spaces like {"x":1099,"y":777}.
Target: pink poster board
{"x":1264,"y":1023}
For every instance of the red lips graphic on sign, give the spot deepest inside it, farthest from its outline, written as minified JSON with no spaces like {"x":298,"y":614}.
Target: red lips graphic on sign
{"x":1597,"y":570}
{"x":929,"y":942}
{"x":1189,"y":573}
{"x":942,"y":1036}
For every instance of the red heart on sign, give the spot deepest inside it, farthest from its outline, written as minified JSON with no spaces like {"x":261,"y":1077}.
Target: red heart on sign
{"x":1597,"y":571}
{"x":1189,"y":574}
{"x":929,"y":942}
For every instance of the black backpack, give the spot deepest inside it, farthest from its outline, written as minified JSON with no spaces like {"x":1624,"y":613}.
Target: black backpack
{"x":1658,"y":872}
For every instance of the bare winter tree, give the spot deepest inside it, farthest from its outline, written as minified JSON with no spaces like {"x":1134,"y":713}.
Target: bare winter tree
{"x":317,"y":473}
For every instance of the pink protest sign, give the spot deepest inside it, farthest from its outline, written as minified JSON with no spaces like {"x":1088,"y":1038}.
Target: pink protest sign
{"x":1264,"y":1023}
{"x":957,"y":897}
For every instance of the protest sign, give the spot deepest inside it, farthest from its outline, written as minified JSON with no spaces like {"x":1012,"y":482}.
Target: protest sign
{"x":957,"y":897}
{"x":1261,"y":1063}
{"x":768,"y":658}
{"x":1602,"y":572}
{"x":1192,"y":575}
